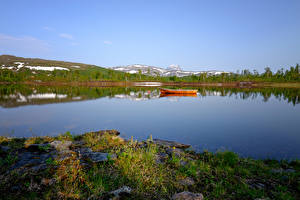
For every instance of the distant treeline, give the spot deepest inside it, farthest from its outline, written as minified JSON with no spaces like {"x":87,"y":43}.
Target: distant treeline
{"x":101,"y":74}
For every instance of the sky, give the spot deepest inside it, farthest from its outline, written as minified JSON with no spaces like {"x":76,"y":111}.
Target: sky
{"x":196,"y":34}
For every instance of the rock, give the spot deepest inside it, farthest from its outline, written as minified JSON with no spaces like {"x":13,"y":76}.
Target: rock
{"x":174,"y":151}
{"x":38,"y":147}
{"x":161,"y":158}
{"x":258,"y":185}
{"x":15,"y":188}
{"x":280,"y":170}
{"x":84,"y":150}
{"x":32,"y":161}
{"x":187,"y":196}
{"x":39,"y":167}
{"x":110,"y":132}
{"x":183,"y":162}
{"x":61,"y":145}
{"x":47,"y":182}
{"x":262,"y":199}
{"x":289,"y":171}
{"x":187,"y":181}
{"x":96,"y":156}
{"x":4,"y":148}
{"x":166,"y":143}
{"x":123,"y":191}
{"x":275,"y":171}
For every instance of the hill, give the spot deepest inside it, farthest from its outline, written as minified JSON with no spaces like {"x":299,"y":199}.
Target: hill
{"x":9,"y":60}
{"x":15,"y":69}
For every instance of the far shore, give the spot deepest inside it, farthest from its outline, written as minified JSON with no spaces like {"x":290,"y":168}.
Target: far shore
{"x":244,"y":84}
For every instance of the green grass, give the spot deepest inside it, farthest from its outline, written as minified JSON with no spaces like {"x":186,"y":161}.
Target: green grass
{"x":221,"y":175}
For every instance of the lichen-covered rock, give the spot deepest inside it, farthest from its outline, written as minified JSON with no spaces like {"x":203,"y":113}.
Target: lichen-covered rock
{"x":123,"y":191}
{"x":169,"y":144}
{"x":161,"y":158}
{"x":33,"y":161}
{"x":61,"y":145}
{"x":4,"y":148}
{"x":187,"y":196}
{"x":174,"y":151}
{"x":95,"y":156}
{"x":110,"y":132}
{"x":280,"y":170}
{"x":187,"y":181}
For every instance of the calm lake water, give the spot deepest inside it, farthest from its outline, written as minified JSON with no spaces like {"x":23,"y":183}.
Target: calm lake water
{"x":257,"y":123}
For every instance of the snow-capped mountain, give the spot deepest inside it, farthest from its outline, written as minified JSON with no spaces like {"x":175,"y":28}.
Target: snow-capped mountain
{"x":172,"y":70}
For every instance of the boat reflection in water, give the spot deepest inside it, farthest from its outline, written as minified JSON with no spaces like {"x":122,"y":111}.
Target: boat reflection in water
{"x":177,"y":95}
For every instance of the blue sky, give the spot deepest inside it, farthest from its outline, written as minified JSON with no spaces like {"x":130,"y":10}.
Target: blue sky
{"x":196,"y":34}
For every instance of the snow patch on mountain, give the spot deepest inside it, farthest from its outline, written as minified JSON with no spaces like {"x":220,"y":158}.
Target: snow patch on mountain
{"x":172,"y":70}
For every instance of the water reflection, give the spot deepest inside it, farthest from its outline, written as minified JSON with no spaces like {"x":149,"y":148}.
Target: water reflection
{"x":256,"y":122}
{"x":20,"y":95}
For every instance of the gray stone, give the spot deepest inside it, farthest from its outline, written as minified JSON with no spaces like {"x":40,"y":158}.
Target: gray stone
{"x":97,"y":156}
{"x":289,"y":171}
{"x":187,"y":181}
{"x":161,"y":158}
{"x":110,"y":132}
{"x":183,"y":163}
{"x":121,"y":191}
{"x":280,"y":170}
{"x":61,"y":145}
{"x":166,"y":143}
{"x":32,"y":161}
{"x":262,"y":199}
{"x":176,"y":152}
{"x":5,"y":148}
{"x":187,"y":196}
{"x":258,"y":185}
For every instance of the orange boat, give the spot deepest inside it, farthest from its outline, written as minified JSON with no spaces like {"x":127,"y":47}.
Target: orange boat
{"x":170,"y":91}
{"x":178,"y":95}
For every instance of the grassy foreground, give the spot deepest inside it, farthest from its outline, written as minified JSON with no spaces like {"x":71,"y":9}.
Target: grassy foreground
{"x":66,"y":167}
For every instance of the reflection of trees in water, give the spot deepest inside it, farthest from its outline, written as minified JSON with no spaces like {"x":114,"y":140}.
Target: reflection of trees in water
{"x":10,"y":93}
{"x":291,"y":95}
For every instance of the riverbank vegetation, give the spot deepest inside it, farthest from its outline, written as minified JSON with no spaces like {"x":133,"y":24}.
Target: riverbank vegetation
{"x":102,"y":165}
{"x":78,"y":72}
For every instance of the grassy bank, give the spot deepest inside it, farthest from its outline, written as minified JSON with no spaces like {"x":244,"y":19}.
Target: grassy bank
{"x":94,"y":165}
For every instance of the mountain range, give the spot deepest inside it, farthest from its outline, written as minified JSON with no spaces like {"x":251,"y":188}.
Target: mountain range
{"x":172,"y":70}
{"x":16,"y":63}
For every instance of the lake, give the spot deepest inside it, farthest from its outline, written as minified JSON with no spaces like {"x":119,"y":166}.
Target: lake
{"x":253,"y":122}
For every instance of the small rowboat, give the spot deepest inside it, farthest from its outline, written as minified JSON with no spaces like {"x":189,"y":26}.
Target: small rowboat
{"x":169,"y":91}
{"x":178,"y":95}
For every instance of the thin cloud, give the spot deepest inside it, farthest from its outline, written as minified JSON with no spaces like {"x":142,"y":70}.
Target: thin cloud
{"x":47,"y":28}
{"x":107,"y":42}
{"x":26,"y":44}
{"x":74,"y":43}
{"x":66,"y":36}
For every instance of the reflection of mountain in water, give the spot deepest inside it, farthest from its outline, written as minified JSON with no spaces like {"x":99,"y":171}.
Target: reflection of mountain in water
{"x":139,"y":95}
{"x":20,"y":95}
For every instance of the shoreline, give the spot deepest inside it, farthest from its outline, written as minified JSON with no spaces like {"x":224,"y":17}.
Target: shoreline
{"x":248,"y":84}
{"x":102,"y":165}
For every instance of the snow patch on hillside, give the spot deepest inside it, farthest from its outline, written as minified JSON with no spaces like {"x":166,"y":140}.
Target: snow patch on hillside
{"x":43,"y":68}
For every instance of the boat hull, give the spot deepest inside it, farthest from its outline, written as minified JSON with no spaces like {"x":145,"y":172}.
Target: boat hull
{"x":177,"y":95}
